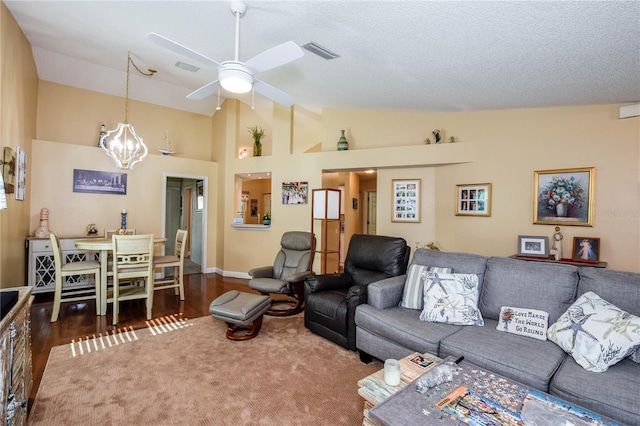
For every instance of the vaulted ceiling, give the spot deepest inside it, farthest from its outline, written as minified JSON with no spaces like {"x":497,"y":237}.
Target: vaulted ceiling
{"x":415,"y":56}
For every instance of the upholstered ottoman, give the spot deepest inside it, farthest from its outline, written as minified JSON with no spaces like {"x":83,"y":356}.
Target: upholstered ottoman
{"x":242,"y":312}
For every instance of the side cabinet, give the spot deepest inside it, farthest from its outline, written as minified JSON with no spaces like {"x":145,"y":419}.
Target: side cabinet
{"x":16,"y":377}
{"x":41,"y":269}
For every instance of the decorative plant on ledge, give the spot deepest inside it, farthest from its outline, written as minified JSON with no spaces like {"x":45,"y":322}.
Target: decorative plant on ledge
{"x":266,"y":219}
{"x":257,"y":133}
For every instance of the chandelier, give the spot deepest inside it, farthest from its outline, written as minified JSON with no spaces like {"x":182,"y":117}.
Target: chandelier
{"x":122,"y":144}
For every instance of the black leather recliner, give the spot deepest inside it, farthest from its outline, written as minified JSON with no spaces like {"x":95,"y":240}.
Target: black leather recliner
{"x":331,"y":299}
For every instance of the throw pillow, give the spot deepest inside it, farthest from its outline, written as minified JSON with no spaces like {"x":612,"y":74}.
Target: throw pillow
{"x":596,"y":333}
{"x":451,"y":299}
{"x":524,"y":322}
{"x":413,"y":295}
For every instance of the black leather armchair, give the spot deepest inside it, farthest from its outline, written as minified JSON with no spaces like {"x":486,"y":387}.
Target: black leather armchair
{"x":331,"y":300}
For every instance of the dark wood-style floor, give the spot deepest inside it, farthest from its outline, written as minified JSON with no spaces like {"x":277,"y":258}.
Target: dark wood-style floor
{"x":78,"y":319}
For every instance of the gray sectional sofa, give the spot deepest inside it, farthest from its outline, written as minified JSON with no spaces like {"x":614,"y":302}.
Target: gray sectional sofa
{"x":386,"y":330}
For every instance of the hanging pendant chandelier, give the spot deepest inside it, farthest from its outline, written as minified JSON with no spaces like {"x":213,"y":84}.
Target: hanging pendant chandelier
{"x":122,"y":144}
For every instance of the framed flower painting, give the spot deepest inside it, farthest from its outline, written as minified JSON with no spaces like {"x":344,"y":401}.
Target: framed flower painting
{"x":564,"y":196}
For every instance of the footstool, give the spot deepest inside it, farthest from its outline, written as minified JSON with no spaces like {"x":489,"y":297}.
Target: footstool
{"x":242,"y":312}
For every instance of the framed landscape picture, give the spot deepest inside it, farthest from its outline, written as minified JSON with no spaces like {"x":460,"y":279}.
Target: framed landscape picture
{"x":564,"y":196}
{"x":405,"y":194}
{"x":473,"y":199}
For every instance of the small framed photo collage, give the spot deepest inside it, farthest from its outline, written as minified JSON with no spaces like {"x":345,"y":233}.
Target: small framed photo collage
{"x":406,"y":200}
{"x":473,"y":199}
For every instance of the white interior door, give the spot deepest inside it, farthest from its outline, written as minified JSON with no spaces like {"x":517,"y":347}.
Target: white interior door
{"x":372,"y":215}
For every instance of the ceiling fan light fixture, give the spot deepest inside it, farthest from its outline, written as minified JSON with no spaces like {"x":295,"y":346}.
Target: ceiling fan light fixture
{"x":235,"y":79}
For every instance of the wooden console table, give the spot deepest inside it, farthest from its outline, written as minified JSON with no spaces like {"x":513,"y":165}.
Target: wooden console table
{"x":562,"y":261}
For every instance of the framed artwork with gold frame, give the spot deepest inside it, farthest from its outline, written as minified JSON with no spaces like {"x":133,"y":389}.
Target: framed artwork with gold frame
{"x":564,"y":196}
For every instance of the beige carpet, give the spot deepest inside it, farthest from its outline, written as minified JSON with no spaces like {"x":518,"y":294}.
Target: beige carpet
{"x":190,"y":374}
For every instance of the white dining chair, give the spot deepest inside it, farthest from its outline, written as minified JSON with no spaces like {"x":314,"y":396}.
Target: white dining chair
{"x":177,"y":262}
{"x":69,"y":269}
{"x":132,"y":261}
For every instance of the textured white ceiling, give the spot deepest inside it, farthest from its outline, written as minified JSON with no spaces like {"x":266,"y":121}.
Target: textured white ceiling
{"x":414,"y":56}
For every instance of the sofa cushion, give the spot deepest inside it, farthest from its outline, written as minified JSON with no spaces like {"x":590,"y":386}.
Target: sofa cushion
{"x":451,"y":299}
{"x":528,"y":361}
{"x":413,"y":296}
{"x":613,"y":394}
{"x":547,"y":287}
{"x":403,"y":326}
{"x":524,"y":322}
{"x":596,"y":333}
{"x":617,"y":287}
{"x":463,"y":263}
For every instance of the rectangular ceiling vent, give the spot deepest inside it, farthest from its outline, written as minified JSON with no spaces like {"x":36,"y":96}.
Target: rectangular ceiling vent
{"x":323,"y":52}
{"x":187,"y":67}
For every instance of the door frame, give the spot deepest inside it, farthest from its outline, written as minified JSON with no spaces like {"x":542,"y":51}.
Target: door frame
{"x":205,"y":187}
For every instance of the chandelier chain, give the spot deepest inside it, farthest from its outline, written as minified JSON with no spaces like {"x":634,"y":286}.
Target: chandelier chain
{"x":126,"y":96}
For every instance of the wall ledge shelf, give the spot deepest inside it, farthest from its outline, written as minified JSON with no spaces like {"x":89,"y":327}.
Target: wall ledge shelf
{"x":254,"y":227}
{"x":562,"y":261}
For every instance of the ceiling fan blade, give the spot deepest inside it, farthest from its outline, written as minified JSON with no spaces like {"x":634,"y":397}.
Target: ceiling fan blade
{"x":206,"y":90}
{"x":275,"y":57}
{"x":180,"y":49}
{"x":272,"y":93}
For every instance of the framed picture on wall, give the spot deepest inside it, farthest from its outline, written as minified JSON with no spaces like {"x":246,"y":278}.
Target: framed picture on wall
{"x":473,"y":199}
{"x":564,"y":196}
{"x":295,"y":192}
{"x":96,"y":182}
{"x":405,"y":194}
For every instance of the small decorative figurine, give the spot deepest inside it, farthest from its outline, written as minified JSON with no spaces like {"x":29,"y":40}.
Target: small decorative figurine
{"x":452,"y":139}
{"x":556,"y":251}
{"x":92,"y":229}
{"x":42,"y":231}
{"x":427,"y":141}
{"x":436,"y":135}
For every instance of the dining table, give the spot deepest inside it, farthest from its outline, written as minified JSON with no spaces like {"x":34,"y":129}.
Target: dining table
{"x":104,"y":246}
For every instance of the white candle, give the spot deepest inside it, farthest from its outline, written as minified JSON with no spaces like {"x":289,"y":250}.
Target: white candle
{"x":392,"y":372}
{"x":124,"y":211}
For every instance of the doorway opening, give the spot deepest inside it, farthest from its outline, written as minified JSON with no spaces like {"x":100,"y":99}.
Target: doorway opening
{"x":184,"y":206}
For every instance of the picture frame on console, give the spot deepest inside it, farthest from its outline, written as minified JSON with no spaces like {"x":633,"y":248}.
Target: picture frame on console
{"x":533,"y":246}
{"x":564,"y":196}
{"x":473,"y":199}
{"x":406,"y":200}
{"x":586,"y":249}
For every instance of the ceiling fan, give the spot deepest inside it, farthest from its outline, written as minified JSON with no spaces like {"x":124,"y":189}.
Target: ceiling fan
{"x":236,"y":76}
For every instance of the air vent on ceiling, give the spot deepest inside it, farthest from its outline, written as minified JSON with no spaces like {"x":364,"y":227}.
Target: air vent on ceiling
{"x":187,"y":67}
{"x":323,"y":52}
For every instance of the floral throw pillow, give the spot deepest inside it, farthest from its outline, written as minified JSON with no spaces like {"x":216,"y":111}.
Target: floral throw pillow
{"x":596,"y":333}
{"x":412,"y":295}
{"x":524,"y":322}
{"x":451,"y":299}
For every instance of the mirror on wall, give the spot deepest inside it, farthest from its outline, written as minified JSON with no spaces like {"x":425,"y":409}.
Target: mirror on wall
{"x":253,"y":195}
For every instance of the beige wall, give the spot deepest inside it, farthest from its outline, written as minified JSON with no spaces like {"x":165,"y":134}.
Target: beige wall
{"x":18,"y":99}
{"x":71,"y":115}
{"x":70,"y":212}
{"x":509,"y":146}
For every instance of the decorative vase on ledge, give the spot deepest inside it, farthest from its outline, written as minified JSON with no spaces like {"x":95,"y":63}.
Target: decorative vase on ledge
{"x":257,"y":148}
{"x":343,"y":145}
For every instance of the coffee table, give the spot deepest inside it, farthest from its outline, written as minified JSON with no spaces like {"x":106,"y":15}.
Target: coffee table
{"x":374,"y":390}
{"x":402,"y":405}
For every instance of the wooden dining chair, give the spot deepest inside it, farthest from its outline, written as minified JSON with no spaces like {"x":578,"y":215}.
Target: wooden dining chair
{"x":177,"y":262}
{"x":132,"y":262}
{"x":70,"y":269}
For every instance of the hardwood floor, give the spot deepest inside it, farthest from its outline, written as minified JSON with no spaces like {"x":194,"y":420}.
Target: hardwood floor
{"x":78,"y":319}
